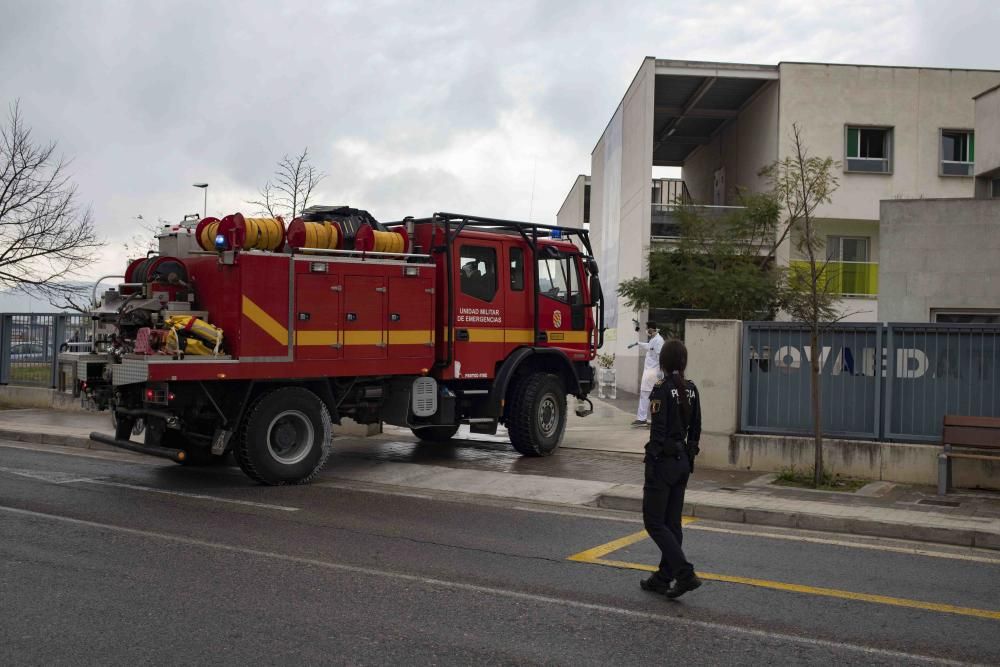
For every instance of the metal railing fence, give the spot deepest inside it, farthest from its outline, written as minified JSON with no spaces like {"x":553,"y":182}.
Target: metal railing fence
{"x":845,"y":278}
{"x":665,"y":221}
{"x":776,"y":380}
{"x":879,"y":382}
{"x":939,"y":369}
{"x":30,"y":344}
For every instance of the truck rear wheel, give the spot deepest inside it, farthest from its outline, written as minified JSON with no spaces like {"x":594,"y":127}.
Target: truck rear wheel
{"x":537,"y":414}
{"x":286,"y":437}
{"x":436,"y":433}
{"x":126,"y":425}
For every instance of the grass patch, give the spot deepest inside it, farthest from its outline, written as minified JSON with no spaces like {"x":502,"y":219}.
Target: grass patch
{"x":39,"y":374}
{"x":803,"y":479}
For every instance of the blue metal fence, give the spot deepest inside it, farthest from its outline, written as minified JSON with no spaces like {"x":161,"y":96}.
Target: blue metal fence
{"x":939,"y":369}
{"x":892,"y":382}
{"x":30,"y":344}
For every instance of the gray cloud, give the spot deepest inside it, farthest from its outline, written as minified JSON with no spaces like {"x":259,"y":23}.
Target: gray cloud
{"x":409,"y":107}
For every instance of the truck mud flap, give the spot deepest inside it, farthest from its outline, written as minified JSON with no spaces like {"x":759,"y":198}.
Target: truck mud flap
{"x":177,"y":455}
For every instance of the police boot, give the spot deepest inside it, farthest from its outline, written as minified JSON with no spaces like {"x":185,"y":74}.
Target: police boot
{"x":683,"y":584}
{"x":655,"y":584}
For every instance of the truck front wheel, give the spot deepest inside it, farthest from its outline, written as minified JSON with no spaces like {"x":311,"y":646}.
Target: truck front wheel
{"x":536,"y":419}
{"x":286,"y":438}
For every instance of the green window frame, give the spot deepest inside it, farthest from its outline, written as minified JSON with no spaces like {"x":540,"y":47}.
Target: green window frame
{"x":868,"y":149}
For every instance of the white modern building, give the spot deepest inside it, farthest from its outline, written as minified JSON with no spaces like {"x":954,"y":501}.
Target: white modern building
{"x":898,"y":132}
{"x":575,"y":210}
{"x":940,"y":259}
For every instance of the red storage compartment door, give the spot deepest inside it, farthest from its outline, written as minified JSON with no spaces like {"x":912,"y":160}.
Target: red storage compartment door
{"x":364,"y":317}
{"x":411,"y":317}
{"x":318,"y":316}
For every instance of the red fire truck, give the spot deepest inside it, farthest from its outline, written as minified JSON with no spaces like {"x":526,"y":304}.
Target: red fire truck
{"x":248,"y":336}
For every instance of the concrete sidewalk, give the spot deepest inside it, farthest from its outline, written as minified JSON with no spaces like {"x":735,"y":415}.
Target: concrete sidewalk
{"x":600,"y":464}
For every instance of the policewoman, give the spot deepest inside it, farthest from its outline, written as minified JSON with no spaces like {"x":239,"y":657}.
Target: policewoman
{"x":675,"y":429}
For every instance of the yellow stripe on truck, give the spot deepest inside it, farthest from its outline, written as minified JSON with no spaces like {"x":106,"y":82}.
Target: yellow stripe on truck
{"x":372,"y":337}
{"x":270,"y":325}
{"x":526,"y":336}
{"x":317,"y":337}
{"x":411,"y":337}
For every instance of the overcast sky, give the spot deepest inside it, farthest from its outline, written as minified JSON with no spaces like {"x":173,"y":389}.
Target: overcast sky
{"x":408,"y":108}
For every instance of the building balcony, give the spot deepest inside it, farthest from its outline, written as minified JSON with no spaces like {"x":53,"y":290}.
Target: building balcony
{"x":859,"y":279}
{"x":666,"y":223}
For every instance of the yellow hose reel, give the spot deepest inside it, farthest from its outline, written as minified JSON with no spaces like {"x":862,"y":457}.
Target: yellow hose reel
{"x":238,"y":232}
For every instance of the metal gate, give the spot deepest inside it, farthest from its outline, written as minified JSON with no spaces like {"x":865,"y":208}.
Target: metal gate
{"x":892,"y":382}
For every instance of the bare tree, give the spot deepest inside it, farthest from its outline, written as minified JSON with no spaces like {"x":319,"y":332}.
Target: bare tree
{"x":45,"y":238}
{"x":802,"y":183}
{"x":291,"y":188}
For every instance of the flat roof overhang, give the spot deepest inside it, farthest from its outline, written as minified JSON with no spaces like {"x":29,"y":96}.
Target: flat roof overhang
{"x":694,"y":100}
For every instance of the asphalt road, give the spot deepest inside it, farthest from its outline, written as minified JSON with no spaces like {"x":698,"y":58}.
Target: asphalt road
{"x":112,"y":559}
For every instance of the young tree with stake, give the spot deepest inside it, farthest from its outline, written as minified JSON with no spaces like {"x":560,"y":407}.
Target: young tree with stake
{"x":802,"y":183}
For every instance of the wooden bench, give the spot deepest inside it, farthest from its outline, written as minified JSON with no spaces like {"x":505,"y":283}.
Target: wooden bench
{"x":981,"y":434}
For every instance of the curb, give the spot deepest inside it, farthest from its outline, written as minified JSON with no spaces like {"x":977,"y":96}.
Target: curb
{"x":74,"y":441}
{"x":630,"y":500}
{"x":628,"y":497}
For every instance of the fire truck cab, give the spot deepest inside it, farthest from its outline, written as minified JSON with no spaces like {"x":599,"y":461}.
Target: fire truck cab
{"x":248,"y":337}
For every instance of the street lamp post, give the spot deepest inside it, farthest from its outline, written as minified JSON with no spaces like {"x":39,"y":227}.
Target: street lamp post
{"x":203,"y":186}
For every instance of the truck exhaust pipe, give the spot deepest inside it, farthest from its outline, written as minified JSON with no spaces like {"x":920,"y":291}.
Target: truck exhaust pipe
{"x":178,"y":455}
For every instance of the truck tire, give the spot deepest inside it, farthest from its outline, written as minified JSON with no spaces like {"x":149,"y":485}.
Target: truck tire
{"x":123,"y":426}
{"x":286,"y":437}
{"x":537,"y":414}
{"x":126,"y":426}
{"x":436,"y":433}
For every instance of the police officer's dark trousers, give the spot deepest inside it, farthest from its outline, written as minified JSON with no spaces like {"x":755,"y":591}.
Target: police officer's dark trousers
{"x":662,"y":504}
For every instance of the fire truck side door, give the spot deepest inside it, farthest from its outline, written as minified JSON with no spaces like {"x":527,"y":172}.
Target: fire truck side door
{"x":318,"y":316}
{"x":561,"y":309}
{"x":479,"y":308}
{"x":364,"y":317}
{"x":519,"y":325}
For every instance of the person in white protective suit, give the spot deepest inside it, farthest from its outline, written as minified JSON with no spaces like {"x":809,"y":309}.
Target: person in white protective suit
{"x":651,"y":372}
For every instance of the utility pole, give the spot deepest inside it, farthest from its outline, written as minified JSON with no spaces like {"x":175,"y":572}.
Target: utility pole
{"x":203,"y":186}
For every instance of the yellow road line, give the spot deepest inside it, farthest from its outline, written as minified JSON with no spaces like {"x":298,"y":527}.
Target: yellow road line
{"x":593,"y":555}
{"x":912,"y":551}
{"x":596,"y":554}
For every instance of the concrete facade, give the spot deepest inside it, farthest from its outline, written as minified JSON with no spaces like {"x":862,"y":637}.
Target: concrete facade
{"x":916,"y":103}
{"x":936,"y":255}
{"x":987,"y":143}
{"x":714,"y":367}
{"x":620,"y":199}
{"x":575,"y":208}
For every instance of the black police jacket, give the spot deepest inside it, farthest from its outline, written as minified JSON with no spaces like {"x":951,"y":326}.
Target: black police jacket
{"x":669,"y":435}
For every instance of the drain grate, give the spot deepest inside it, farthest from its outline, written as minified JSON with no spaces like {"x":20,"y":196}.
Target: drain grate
{"x":939,"y":503}
{"x":728,"y":488}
